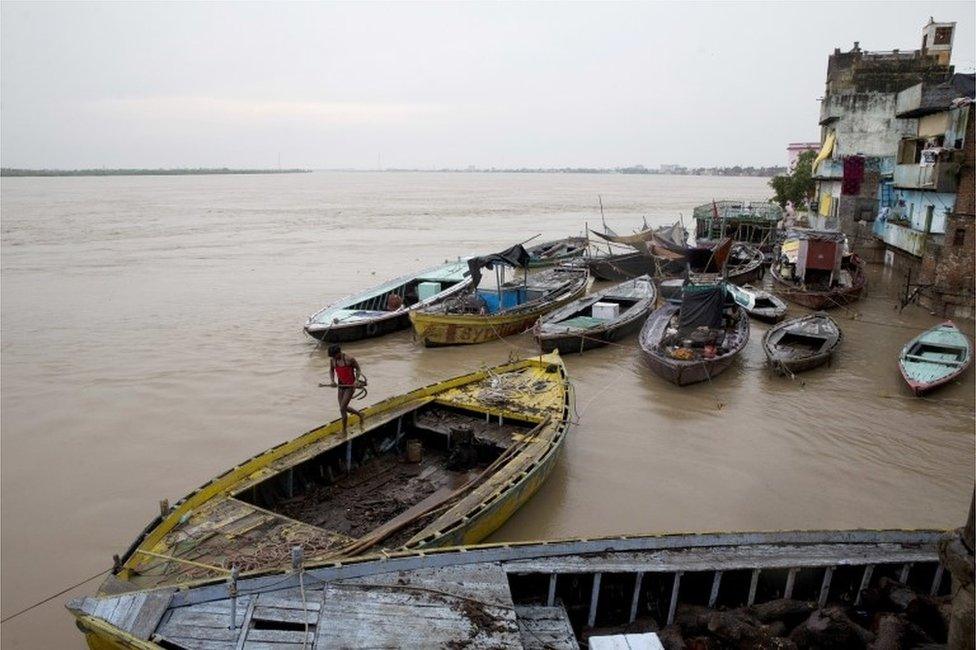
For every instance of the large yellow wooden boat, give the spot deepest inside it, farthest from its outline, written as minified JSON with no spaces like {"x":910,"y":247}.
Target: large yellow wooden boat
{"x":478,"y":315}
{"x":443,"y":465}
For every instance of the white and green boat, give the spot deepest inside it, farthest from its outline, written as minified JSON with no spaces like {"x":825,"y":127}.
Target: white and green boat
{"x":934,"y":358}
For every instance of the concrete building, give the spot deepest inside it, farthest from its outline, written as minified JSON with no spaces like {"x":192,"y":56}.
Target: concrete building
{"x":895,"y":168}
{"x":861,"y":131}
{"x":794,"y":149}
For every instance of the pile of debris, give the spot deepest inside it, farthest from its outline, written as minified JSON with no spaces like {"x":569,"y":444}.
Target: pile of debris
{"x":889,"y":616}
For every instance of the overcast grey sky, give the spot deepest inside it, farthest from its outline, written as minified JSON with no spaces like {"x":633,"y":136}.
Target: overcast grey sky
{"x":422,"y":85}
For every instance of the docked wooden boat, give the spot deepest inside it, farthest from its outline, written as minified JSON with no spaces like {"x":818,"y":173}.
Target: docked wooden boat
{"x":776,"y":586}
{"x":697,"y":339}
{"x":597,"y":319}
{"x":934,"y":358}
{"x":615,"y":267}
{"x":813,"y":268}
{"x":443,"y":465}
{"x":741,"y":263}
{"x":556,"y":252}
{"x":673,"y":233}
{"x":386,"y":308}
{"x":801,"y":343}
{"x":752,"y":222}
{"x":759,"y":304}
{"x":478,"y":314}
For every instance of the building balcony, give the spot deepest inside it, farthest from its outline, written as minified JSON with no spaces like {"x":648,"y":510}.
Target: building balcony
{"x":940,"y":177}
{"x":907,"y":239}
{"x":830,"y":169}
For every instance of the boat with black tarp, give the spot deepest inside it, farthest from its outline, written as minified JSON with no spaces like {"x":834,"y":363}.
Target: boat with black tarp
{"x":698,"y":338}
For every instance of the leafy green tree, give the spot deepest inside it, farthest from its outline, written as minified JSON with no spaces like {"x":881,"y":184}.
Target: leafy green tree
{"x":797,"y":186}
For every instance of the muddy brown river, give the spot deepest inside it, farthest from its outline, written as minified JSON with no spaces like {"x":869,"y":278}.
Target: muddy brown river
{"x":151,"y":338}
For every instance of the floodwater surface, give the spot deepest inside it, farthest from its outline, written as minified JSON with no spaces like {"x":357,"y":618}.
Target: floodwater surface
{"x":151,"y":338}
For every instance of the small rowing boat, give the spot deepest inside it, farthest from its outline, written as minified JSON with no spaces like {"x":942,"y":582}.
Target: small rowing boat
{"x":442,"y":465}
{"x":759,"y":304}
{"x":801,"y":343}
{"x":934,"y":358}
{"x":597,"y":319}
{"x":750,"y":589}
{"x":480,"y":314}
{"x":813,"y":268}
{"x":697,"y":339}
{"x":555,"y":252}
{"x":386,"y":308}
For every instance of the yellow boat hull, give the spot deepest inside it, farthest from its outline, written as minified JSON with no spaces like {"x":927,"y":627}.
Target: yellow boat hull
{"x":436,"y":329}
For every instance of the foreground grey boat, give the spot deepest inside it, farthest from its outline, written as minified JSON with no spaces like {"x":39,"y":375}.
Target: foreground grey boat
{"x":575,"y":327}
{"x":802,"y":343}
{"x":525,"y":595}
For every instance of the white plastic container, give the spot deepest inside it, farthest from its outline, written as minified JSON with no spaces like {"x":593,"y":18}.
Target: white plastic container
{"x":606,"y":310}
{"x":427,"y":290}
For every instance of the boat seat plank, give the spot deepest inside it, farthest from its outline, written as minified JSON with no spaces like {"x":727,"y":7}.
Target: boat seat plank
{"x":545,"y":628}
{"x":941,"y":359}
{"x":727,"y":558}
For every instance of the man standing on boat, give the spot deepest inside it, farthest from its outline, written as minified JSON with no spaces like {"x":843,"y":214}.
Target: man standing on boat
{"x":350,"y":378}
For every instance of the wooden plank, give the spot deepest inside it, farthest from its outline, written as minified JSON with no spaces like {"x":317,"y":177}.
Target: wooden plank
{"x":262,"y":645}
{"x":270,"y":600}
{"x":638,"y":579}
{"x":150,"y":614}
{"x":726,"y":558}
{"x":414,"y":615}
{"x":594,"y":600}
{"x":545,"y":628}
{"x":280,"y":615}
{"x":485,"y":582}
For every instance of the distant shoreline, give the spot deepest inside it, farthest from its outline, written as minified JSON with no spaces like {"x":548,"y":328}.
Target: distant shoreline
{"x":201,"y":171}
{"x":757,"y":172}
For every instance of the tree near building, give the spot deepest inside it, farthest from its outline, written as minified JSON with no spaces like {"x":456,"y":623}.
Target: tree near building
{"x":798,"y":185}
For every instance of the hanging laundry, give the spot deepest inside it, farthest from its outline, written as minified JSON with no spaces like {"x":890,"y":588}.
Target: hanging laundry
{"x":853,"y":175}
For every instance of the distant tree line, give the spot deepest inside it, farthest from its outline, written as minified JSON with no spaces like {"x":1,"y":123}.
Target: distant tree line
{"x":187,"y":171}
{"x":736,"y":170}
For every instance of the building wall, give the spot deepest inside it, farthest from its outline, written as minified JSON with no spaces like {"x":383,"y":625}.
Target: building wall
{"x":867,"y":124}
{"x":948,"y":266}
{"x":932,"y":125}
{"x":914,"y":204}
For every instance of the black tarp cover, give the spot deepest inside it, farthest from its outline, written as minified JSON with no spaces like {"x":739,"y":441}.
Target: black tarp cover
{"x":514,"y":256}
{"x":701,"y":306}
